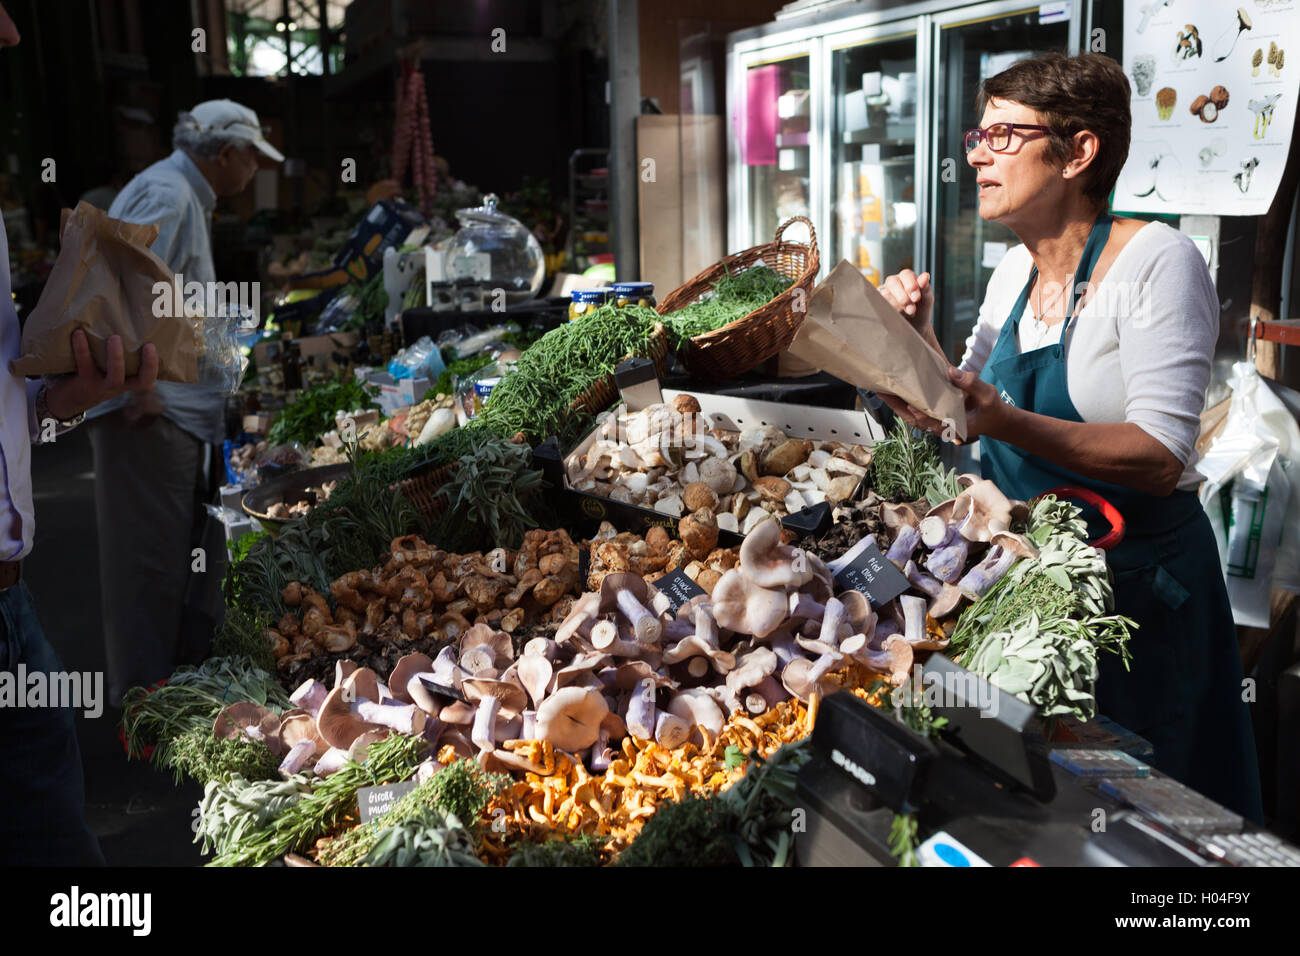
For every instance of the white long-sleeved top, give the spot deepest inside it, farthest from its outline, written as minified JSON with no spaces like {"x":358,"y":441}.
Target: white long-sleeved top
{"x":18,"y":428}
{"x":1139,"y":351}
{"x":174,"y":195}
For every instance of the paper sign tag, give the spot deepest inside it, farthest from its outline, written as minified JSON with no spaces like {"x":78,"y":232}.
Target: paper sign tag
{"x":874,"y":575}
{"x":678,"y":588}
{"x":374,"y":802}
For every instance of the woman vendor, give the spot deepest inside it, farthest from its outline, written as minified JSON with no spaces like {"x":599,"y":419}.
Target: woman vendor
{"x":1088,"y":366}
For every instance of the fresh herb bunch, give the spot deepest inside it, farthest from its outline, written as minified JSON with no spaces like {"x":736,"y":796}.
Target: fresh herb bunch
{"x":690,"y":832}
{"x":940,"y":484}
{"x":905,"y":464}
{"x":432,"y":837}
{"x":488,"y":498}
{"x":536,"y":396}
{"x":233,"y":809}
{"x":331,"y":801}
{"x":582,"y":850}
{"x":200,"y":756}
{"x":757,"y":807}
{"x":312,"y":413}
{"x":733,"y":297}
{"x":1039,"y":631}
{"x":191,"y":700}
{"x":243,"y":634}
{"x":462,"y":789}
{"x":902,"y":839}
{"x":372,"y":301}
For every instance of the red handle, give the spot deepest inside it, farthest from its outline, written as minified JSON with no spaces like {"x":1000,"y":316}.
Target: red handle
{"x":1108,"y":511}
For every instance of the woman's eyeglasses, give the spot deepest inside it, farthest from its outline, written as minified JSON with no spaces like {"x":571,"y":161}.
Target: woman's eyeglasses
{"x":998,"y":136}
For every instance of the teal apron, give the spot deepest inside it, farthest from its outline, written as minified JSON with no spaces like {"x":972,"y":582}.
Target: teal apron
{"x":1184,"y":689}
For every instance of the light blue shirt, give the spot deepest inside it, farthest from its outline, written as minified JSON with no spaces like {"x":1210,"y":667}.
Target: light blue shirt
{"x":18,"y":428}
{"x":173,"y":195}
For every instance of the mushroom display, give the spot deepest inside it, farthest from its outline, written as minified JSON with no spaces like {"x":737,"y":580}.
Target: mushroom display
{"x":673,"y":462}
{"x":427,"y":595}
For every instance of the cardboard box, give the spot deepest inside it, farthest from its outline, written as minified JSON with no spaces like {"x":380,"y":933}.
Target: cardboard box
{"x":309,"y":347}
{"x":398,"y":393}
{"x":729,"y":413}
{"x":258,"y":423}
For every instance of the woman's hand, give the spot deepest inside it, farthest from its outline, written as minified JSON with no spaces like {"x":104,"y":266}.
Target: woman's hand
{"x":69,"y":395}
{"x":986,"y":413}
{"x":911,"y":295}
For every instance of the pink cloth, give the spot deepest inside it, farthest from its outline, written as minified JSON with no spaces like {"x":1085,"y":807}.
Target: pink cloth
{"x":763,"y":86}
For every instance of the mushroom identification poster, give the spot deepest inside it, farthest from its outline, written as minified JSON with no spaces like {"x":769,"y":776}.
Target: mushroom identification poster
{"x":1214,"y":103}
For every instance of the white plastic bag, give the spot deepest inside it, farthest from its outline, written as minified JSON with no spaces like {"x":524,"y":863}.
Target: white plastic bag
{"x":1252,"y":495}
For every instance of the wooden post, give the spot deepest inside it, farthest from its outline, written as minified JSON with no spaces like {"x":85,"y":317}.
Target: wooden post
{"x":1267,"y":278}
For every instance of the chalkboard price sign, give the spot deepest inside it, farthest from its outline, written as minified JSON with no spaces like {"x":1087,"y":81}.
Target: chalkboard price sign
{"x":678,"y":587}
{"x":874,"y":575}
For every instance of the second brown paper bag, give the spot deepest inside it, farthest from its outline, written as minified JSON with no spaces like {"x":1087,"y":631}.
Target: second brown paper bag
{"x":103,"y":281}
{"x":853,"y":333}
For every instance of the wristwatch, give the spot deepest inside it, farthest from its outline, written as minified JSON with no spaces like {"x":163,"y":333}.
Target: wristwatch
{"x":43,"y":412}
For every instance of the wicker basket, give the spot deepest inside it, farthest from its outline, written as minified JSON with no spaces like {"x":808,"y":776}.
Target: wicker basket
{"x":740,"y":345}
{"x":422,"y":486}
{"x":604,"y":391}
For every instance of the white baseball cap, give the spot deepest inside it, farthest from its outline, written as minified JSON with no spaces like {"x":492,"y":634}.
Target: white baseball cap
{"x":236,"y":119}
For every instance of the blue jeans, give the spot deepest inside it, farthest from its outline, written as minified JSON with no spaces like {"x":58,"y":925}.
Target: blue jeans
{"x":42,"y":791}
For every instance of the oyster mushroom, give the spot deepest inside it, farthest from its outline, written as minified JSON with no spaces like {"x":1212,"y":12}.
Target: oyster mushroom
{"x":570,"y":718}
{"x":629,"y":594}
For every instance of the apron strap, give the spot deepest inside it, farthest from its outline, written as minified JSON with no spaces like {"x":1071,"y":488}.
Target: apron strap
{"x":1097,"y":238}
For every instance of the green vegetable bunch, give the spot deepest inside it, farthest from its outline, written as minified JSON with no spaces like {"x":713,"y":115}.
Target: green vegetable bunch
{"x":1039,"y":631}
{"x":462,"y":790}
{"x":733,"y":297}
{"x":313,"y":412}
{"x":200,"y":756}
{"x":235,"y":808}
{"x":905,"y":466}
{"x":242,"y":633}
{"x":581,"y":850}
{"x":432,"y":838}
{"x":190,"y":700}
{"x":488,"y":498}
{"x":330,"y":801}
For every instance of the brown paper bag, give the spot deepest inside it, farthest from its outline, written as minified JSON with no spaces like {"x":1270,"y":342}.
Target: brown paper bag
{"x":103,"y":281}
{"x":852,"y":332}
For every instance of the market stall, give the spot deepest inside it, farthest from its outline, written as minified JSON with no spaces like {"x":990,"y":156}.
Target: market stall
{"x":546,"y":612}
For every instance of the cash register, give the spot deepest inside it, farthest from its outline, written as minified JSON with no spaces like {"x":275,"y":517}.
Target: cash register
{"x":991,"y":790}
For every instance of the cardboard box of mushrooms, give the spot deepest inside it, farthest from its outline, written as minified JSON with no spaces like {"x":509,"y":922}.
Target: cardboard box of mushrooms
{"x":740,"y":461}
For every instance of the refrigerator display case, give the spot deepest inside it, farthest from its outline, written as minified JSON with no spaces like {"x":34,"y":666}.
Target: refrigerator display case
{"x":855,"y":118}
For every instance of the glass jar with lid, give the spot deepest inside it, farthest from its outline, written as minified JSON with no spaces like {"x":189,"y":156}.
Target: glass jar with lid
{"x":584,"y":301}
{"x":633,"y":293}
{"x":496,"y":250}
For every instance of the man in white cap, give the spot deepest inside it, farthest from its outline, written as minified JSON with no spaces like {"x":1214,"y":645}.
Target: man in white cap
{"x":153,"y":449}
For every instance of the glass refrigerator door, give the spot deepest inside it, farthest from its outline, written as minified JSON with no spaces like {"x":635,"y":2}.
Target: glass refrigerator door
{"x":967,"y":247}
{"x":873,"y":155}
{"x":774,"y":145}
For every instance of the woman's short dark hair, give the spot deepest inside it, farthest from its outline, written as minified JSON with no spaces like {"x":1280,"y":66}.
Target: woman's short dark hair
{"x":1073,"y":93}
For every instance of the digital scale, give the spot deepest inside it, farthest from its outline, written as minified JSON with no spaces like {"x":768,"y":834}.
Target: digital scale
{"x":992,"y":791}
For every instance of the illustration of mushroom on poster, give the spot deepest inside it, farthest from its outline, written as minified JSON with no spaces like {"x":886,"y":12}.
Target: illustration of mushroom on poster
{"x":1214,"y":104}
